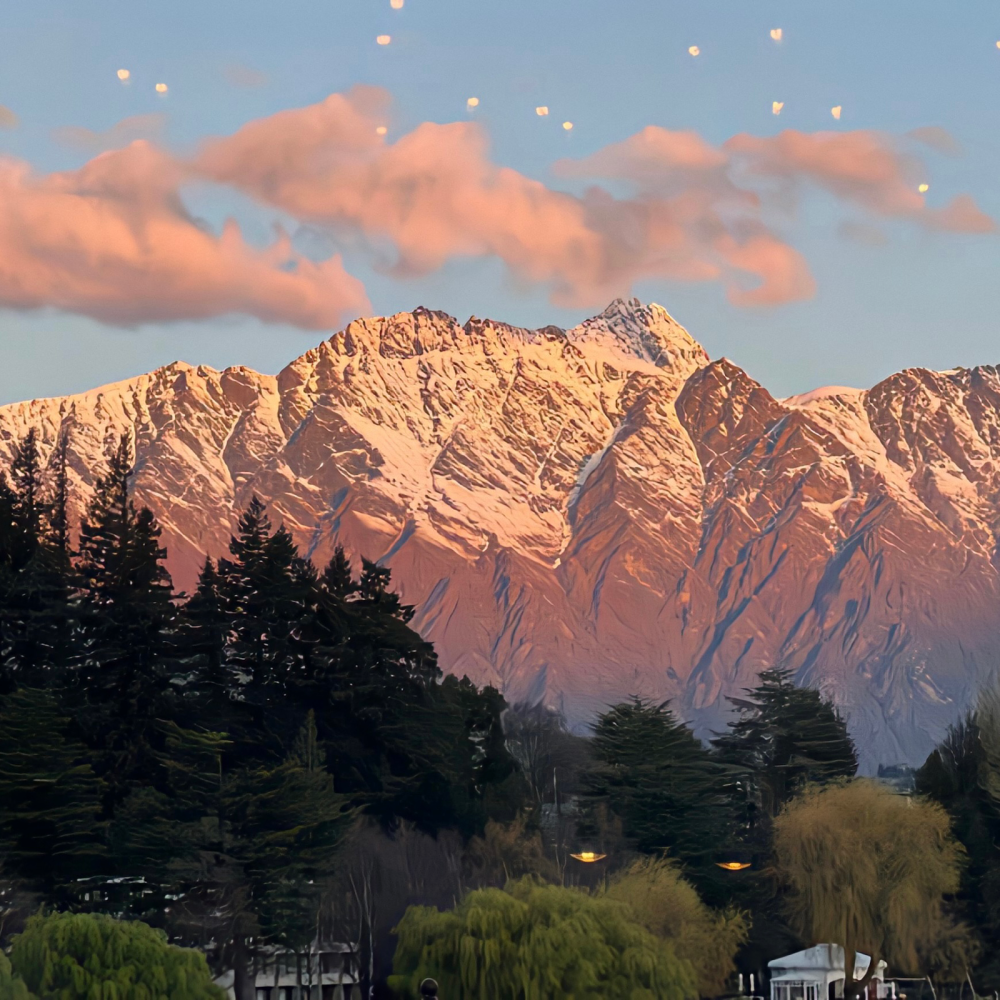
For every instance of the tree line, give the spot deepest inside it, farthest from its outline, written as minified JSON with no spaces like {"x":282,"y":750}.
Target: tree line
{"x":278,"y":755}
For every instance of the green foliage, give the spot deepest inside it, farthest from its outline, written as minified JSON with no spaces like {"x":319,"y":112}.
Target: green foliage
{"x":11,"y":987}
{"x":666,"y":786}
{"x":870,"y":870}
{"x":86,"y":956}
{"x":50,"y":828}
{"x":962,"y":774}
{"x":534,"y":942}
{"x":667,"y":905}
{"x":784,"y":738}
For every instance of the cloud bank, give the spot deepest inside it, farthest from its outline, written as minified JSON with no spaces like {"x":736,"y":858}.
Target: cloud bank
{"x":113,"y":240}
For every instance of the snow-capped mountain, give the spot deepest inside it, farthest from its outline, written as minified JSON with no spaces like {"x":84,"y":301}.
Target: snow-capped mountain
{"x":587,"y":514}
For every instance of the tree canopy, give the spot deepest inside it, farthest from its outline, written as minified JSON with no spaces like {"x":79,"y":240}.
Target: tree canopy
{"x":81,"y":956}
{"x":537,"y":942}
{"x":869,"y":869}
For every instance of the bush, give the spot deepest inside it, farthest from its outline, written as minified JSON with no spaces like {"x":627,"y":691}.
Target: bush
{"x":535,"y":941}
{"x":82,"y":956}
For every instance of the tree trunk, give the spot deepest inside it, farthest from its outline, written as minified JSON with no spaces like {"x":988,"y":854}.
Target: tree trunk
{"x":244,"y":985}
{"x":855,"y":989}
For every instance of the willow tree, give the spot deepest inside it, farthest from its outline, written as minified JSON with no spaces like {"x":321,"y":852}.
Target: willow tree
{"x":869,"y":869}
{"x":536,"y":942}
{"x":11,"y":987}
{"x":667,"y":905}
{"x":83,"y":956}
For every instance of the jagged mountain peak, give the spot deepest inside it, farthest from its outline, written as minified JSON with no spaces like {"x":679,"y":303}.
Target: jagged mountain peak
{"x":581,"y":515}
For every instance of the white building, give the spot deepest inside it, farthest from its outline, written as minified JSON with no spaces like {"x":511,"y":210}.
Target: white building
{"x":818,"y":974}
{"x":326,"y":972}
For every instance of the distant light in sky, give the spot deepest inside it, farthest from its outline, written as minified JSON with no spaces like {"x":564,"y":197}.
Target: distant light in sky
{"x":568,"y":126}
{"x":924,"y":188}
{"x":998,"y":45}
{"x":776,"y":107}
{"x":396,"y":4}
{"x":381,"y":130}
{"x":694,"y":50}
{"x":836,"y":112}
{"x":123,"y":75}
{"x":542,"y":111}
{"x":161,"y":88}
{"x":776,"y":34}
{"x":472,"y":102}
{"x":384,"y":39}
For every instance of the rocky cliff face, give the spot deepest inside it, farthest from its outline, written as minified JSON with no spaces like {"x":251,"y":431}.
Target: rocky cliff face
{"x":587,"y":514}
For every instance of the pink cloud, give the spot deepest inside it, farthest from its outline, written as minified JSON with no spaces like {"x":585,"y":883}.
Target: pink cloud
{"x":863,"y":167}
{"x":113,"y":241}
{"x":435,"y":194}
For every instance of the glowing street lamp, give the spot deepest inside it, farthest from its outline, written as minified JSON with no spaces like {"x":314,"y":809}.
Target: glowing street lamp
{"x":733,"y":866}
{"x":588,"y":857}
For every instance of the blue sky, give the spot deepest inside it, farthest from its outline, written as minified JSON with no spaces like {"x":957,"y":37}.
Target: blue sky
{"x":923,"y":298}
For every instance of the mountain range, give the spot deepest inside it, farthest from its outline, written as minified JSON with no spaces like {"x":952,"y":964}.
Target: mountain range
{"x":583,"y":515}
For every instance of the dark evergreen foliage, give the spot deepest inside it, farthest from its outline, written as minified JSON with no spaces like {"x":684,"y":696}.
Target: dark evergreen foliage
{"x":664,"y":783}
{"x":957,"y":775}
{"x":204,"y":758}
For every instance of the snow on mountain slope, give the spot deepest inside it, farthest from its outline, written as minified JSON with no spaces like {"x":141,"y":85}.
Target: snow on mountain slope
{"x":587,"y":514}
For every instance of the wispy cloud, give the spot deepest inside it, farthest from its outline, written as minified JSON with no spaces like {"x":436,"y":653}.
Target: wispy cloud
{"x":7,"y":118}
{"x":243,"y":76}
{"x":148,"y":126}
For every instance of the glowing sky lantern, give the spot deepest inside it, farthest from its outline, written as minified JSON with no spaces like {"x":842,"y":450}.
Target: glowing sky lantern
{"x":776,"y":107}
{"x":396,"y":4}
{"x":381,"y":130}
{"x":472,"y":102}
{"x":924,"y":188}
{"x":694,"y":50}
{"x":384,"y":39}
{"x":541,"y":111}
{"x":161,"y":88}
{"x":998,"y":45}
{"x":568,"y":126}
{"x":836,"y":112}
{"x":123,"y":75}
{"x":776,"y":34}
{"x":588,"y":857}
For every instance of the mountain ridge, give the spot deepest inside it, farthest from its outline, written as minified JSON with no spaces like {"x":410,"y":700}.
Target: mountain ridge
{"x":580,"y":515}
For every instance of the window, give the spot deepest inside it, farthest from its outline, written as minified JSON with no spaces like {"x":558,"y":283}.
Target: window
{"x":794,"y":990}
{"x":263,"y":993}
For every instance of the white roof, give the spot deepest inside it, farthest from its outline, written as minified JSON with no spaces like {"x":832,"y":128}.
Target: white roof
{"x":822,"y":963}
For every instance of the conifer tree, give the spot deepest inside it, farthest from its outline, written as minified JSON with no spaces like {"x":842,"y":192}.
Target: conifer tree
{"x":128,"y":626}
{"x":666,"y":786}
{"x":50,"y":832}
{"x":784,"y":737}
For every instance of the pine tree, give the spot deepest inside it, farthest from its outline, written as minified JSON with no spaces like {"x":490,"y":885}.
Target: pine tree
{"x":666,"y":786}
{"x":785,"y":737}
{"x":128,"y":628}
{"x":50,"y":832}
{"x":35,"y":601}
